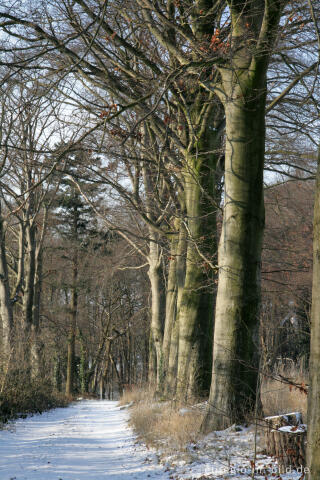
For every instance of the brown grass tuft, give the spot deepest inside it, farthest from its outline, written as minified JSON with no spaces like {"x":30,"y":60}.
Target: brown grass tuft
{"x":160,"y":424}
{"x":135,"y":395}
{"x":278,"y":397}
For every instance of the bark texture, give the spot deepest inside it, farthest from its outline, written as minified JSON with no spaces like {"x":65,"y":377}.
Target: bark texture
{"x":6,"y":312}
{"x":28,"y":294}
{"x":157,"y":307}
{"x":180,"y":272}
{"x":171,"y":299}
{"x":70,"y":387}
{"x":313,"y":451}
{"x":235,"y":363}
{"x":195,"y":313}
{"x":235,"y":354}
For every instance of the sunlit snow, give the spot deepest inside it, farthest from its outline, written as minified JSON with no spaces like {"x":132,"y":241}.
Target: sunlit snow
{"x":89,"y":440}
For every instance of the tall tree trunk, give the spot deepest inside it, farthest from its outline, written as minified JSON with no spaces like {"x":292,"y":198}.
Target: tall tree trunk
{"x":37,"y":369}
{"x":57,"y":378}
{"x":196,"y":305}
{"x":118,"y":374}
{"x":152,"y":361}
{"x":83,"y":369}
{"x":70,"y":382}
{"x":155,"y":271}
{"x":235,"y":360}
{"x":171,"y":302}
{"x":28,"y":294}
{"x":6,"y":312}
{"x":196,"y":308}
{"x":104,"y":373}
{"x":180,"y":270}
{"x":37,"y":346}
{"x":145,"y":347}
{"x":157,"y":305}
{"x":313,"y":443}
{"x":243,"y":83}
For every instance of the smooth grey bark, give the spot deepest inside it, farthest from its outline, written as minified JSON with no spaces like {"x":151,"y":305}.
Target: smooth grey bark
{"x":57,"y":377}
{"x":37,"y":361}
{"x":203,"y":115}
{"x":70,"y":381}
{"x":171,"y":299}
{"x":313,"y":443}
{"x":235,"y":353}
{"x":83,"y":368}
{"x":196,"y":309}
{"x":105,"y":371}
{"x":180,"y":271}
{"x":6,"y":311}
{"x":152,"y":361}
{"x":29,"y":281}
{"x":37,"y":345}
{"x":28,"y":293}
{"x":29,"y":278}
{"x":18,"y":289}
{"x":171,"y":377}
{"x":145,"y":360}
{"x":155,"y":274}
{"x":73,"y":310}
{"x":235,"y":364}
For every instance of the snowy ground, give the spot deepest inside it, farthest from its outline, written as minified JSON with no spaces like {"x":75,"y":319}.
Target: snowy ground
{"x":91,"y":440}
{"x":229,"y":455}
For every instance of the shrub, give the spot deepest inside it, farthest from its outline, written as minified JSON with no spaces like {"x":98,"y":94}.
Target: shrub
{"x":20,"y":395}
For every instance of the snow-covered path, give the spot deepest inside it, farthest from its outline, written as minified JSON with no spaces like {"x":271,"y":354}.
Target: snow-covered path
{"x":89,"y":440}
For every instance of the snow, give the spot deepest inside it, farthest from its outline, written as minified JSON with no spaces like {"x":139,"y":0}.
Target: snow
{"x":302,"y":428}
{"x":229,"y":455}
{"x":286,"y":416}
{"x":89,"y":440}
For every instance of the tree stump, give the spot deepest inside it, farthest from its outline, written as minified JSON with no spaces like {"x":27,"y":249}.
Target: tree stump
{"x":285,"y":440}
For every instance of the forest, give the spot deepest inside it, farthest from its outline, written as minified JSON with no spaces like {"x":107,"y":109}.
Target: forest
{"x":160,"y":205}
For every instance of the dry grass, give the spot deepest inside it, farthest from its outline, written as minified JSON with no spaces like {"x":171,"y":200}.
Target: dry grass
{"x":135,"y":395}
{"x":278,"y":397}
{"x":160,"y":424}
{"x":181,"y":429}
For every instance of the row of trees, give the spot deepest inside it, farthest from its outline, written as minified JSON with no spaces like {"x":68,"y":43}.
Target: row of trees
{"x":163,"y":106}
{"x":56,"y":263}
